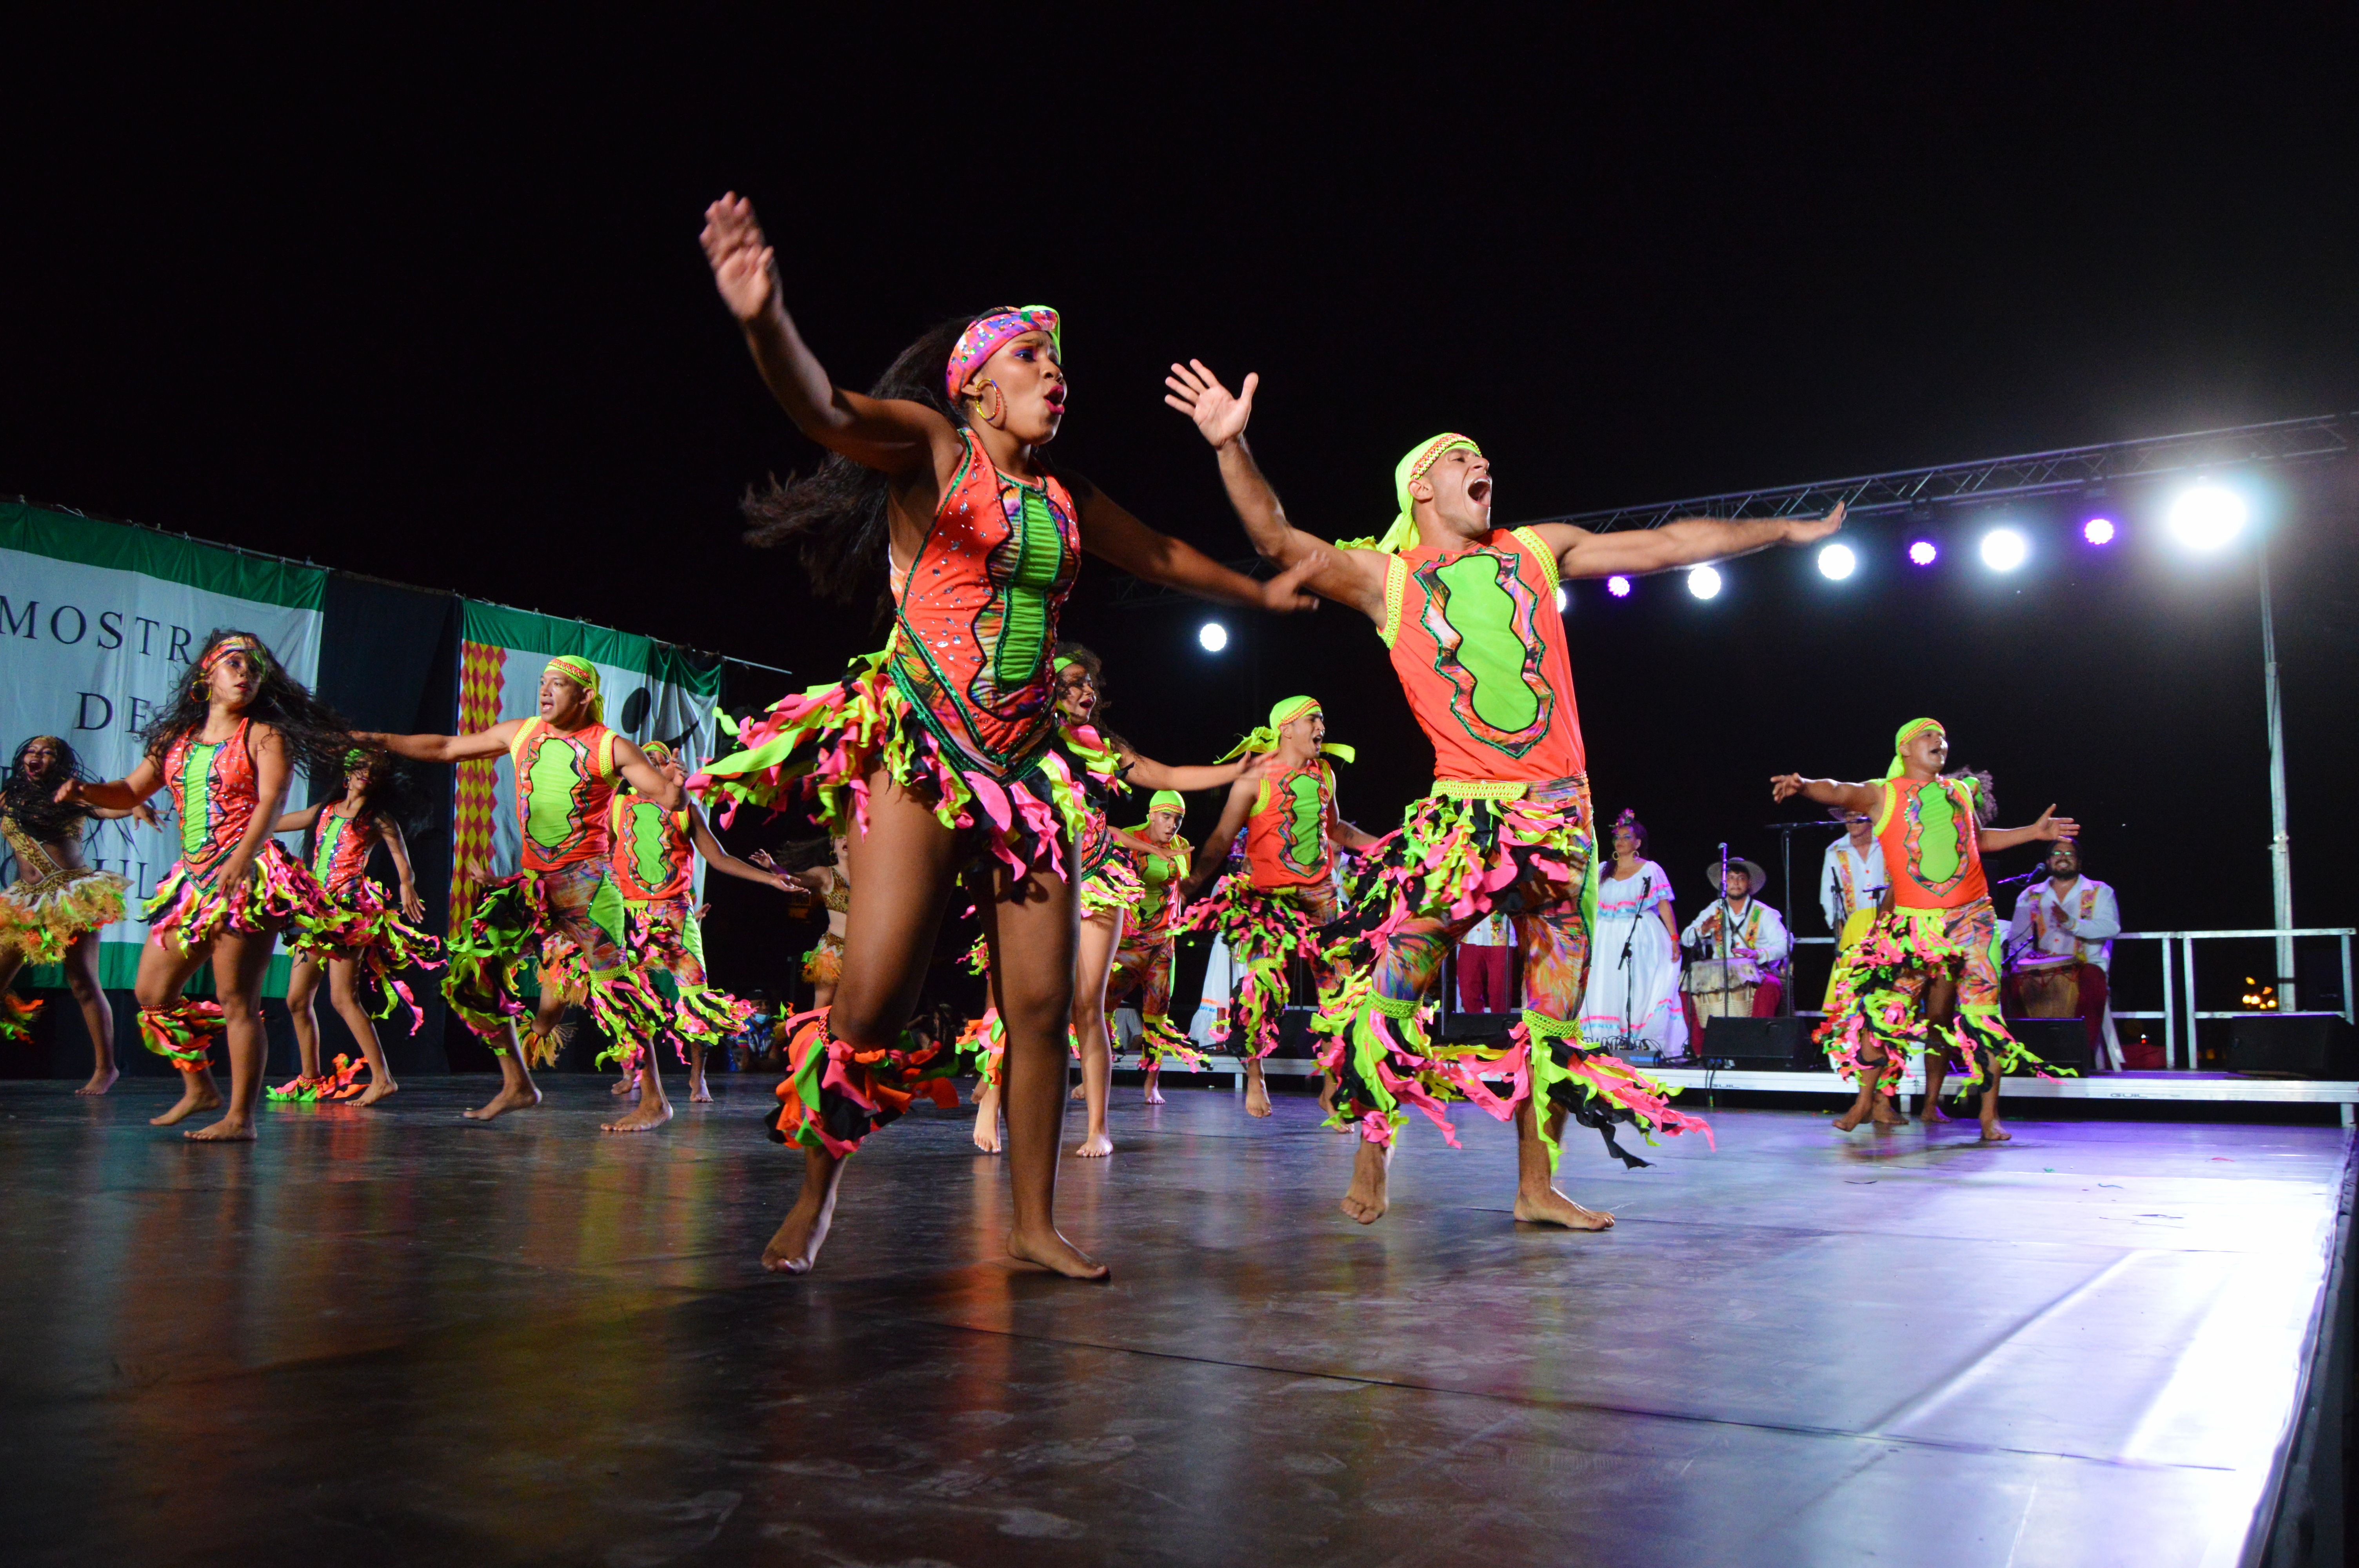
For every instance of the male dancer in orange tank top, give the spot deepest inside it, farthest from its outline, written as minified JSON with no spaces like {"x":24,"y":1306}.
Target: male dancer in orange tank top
{"x":1925,"y":978}
{"x":1468,"y":611}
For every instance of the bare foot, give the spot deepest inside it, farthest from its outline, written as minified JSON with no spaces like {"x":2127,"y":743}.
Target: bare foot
{"x":1256,"y":1097}
{"x":1363,"y":1200}
{"x":228,"y":1130}
{"x":1854,"y":1117}
{"x":1993,"y":1133}
{"x":1078,"y":1091}
{"x":699,"y":1093}
{"x":1550,"y":1207}
{"x":1887,"y":1114}
{"x":518,"y":1098}
{"x":646,"y":1116}
{"x":795,"y":1246}
{"x":1096,"y":1146}
{"x":100,"y":1080}
{"x":378,"y":1090}
{"x":196,"y":1094}
{"x":1153,"y":1094}
{"x":624,"y":1085}
{"x":987,"y":1130}
{"x":1057,"y":1255}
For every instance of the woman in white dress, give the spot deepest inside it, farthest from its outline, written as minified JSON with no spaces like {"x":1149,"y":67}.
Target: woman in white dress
{"x":1633,"y":953}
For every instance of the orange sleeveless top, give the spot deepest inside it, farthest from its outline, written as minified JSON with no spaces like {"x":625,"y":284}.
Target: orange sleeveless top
{"x":214,"y":792}
{"x":563,"y":783}
{"x":654,"y":858}
{"x":975,"y":618}
{"x":339,"y":847}
{"x":1479,"y":646}
{"x":1286,"y":837}
{"x":1931,"y":850}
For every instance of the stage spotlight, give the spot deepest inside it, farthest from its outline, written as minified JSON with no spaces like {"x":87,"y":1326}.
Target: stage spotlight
{"x":1703,"y":582}
{"x":2004,"y":550}
{"x":1214,"y":636}
{"x":1922,"y":553}
{"x":1619,"y":587}
{"x":2207,"y":517}
{"x":1837,"y":561}
{"x":2098,"y":530}
{"x":1563,"y":602}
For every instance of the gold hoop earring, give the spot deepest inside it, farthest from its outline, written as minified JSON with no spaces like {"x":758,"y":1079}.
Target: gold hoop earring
{"x":998,"y":406}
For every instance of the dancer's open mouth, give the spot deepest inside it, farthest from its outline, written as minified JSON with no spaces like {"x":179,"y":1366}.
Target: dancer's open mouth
{"x":1478,"y":491}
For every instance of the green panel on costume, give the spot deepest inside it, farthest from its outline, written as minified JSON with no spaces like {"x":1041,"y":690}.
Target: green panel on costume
{"x":553,"y":779}
{"x":1940,"y":851}
{"x":1306,"y":823}
{"x":643,"y":820}
{"x":1483,"y":613}
{"x":1023,"y":635}
{"x":196,"y":791}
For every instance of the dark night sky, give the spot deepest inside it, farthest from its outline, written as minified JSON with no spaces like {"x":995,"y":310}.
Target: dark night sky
{"x":432,"y":307}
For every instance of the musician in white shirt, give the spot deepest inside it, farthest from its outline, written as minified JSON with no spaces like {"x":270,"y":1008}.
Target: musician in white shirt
{"x":1757,"y":938}
{"x":2070,"y":915}
{"x":1851,"y":882}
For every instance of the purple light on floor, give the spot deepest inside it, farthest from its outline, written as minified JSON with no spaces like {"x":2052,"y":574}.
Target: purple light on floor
{"x":1619,"y":587}
{"x":2098,"y":530}
{"x":1922,"y":552}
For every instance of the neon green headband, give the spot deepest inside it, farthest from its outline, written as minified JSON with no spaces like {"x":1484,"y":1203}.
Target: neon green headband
{"x":1167,"y":800}
{"x":1410,"y":469}
{"x":1286,"y":711}
{"x":1913,"y":728}
{"x":583,"y":674}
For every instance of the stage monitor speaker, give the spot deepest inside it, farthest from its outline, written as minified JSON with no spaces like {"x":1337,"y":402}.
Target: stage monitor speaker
{"x":1761,"y":1045}
{"x":2293,"y":1045}
{"x":1478,"y":1025}
{"x":2059,"y":1042}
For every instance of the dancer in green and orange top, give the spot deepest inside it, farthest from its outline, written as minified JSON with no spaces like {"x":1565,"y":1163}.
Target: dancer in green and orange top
{"x":654,"y":866}
{"x":225,"y":742}
{"x":943,"y":751}
{"x":1276,"y":908}
{"x":1468,"y":611}
{"x":1151,"y":935}
{"x":1925,"y":978}
{"x":378,"y":937}
{"x":563,"y":904}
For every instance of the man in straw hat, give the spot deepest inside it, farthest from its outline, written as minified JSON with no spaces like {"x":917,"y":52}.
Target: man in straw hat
{"x":1469,"y":613}
{"x":1286,"y":808}
{"x":1754,"y":938}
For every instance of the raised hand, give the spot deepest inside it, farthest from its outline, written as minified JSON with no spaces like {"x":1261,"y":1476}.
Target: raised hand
{"x":743,"y":262}
{"x":1807,"y":530}
{"x":1785,"y":786}
{"x":1284,"y":592}
{"x":1220,"y":416}
{"x":2052,"y":826}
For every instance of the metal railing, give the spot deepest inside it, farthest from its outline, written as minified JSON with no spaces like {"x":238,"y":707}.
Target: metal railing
{"x":2182,"y":982}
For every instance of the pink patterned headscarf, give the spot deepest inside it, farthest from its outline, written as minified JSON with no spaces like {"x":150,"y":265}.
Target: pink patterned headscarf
{"x":986,"y":332}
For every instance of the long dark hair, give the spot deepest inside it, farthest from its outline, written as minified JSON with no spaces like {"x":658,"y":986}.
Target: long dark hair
{"x":394,"y":800}
{"x":1985,"y":793}
{"x":29,"y":802}
{"x":834,"y":517}
{"x":807,"y":854}
{"x":316,"y":736}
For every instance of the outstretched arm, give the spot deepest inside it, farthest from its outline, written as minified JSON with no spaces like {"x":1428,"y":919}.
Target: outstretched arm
{"x":142,"y":812}
{"x":2049,"y":826}
{"x":1149,"y":774}
{"x":729,"y":865}
{"x":296,"y":821}
{"x":1354,"y":578}
{"x":489,"y":742}
{"x":1215,"y":852}
{"x":118,"y":795}
{"x":1861,"y":797}
{"x":1344,"y":833}
{"x":1634,"y":552}
{"x":892,"y":436}
{"x":1115,"y":537}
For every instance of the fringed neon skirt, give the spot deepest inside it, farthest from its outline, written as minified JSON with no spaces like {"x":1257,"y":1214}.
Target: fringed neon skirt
{"x":1262,"y":928}
{"x":1458,"y":857}
{"x":40,"y":919}
{"x":669,"y":938}
{"x":823,"y":966}
{"x":824,"y":744}
{"x":517,"y":929}
{"x":370,"y":931}
{"x":1110,"y":882}
{"x":1879,"y":994}
{"x":189,"y":908}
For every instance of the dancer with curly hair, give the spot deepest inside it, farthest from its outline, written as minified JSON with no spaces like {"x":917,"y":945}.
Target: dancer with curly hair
{"x":944,"y":748}
{"x":225,"y":743}
{"x":1468,"y":613}
{"x":654,"y":865}
{"x":1925,"y":978}
{"x":59,"y":903}
{"x":1276,"y":907}
{"x":562,"y":909}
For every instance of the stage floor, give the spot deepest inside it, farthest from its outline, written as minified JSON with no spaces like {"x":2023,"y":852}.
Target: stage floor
{"x":391,"y":1336}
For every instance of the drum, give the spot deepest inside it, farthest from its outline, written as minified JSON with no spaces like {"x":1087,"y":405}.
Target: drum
{"x":2049,"y":986}
{"x":1722,"y":990}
